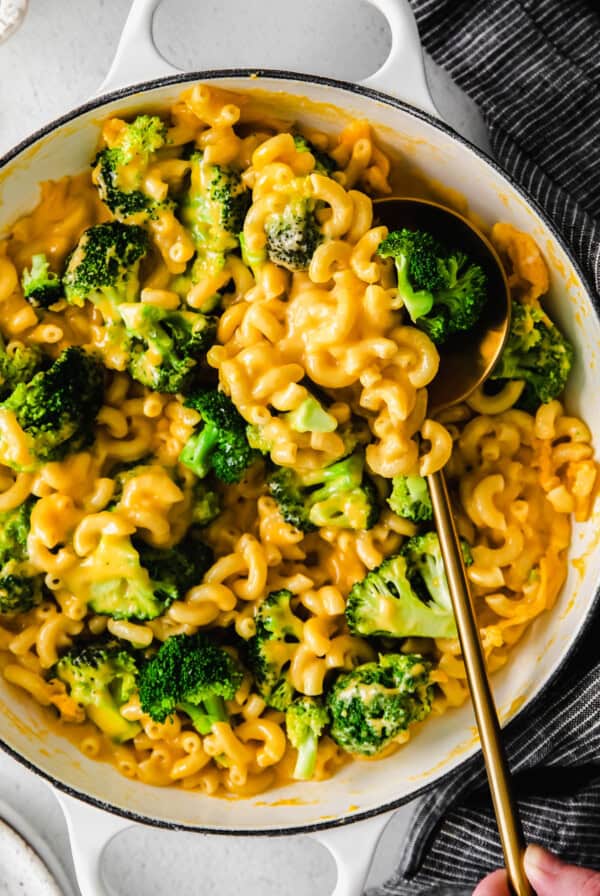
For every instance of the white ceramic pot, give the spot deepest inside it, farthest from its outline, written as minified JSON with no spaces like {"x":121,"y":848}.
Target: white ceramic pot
{"x":395,"y":99}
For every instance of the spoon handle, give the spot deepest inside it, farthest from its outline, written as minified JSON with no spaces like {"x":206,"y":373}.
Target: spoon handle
{"x":507,"y":817}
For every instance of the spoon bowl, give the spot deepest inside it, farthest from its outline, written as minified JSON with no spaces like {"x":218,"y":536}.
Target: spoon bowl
{"x":465,"y":360}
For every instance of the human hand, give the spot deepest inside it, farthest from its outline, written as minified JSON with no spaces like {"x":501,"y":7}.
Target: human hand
{"x":548,"y":877}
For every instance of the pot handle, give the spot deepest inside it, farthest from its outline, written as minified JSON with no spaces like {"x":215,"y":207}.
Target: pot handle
{"x":402,"y":75}
{"x":353,"y":848}
{"x":90,"y":832}
{"x":137,"y":58}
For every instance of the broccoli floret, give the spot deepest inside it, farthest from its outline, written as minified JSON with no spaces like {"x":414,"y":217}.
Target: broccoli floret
{"x":132,"y":580}
{"x":426,"y":566}
{"x":125,"y":204}
{"x":255,"y":434}
{"x":324,"y":164}
{"x":386,"y":603}
{"x":376,"y":702}
{"x":56,"y":410}
{"x":192,"y":675}
{"x":206,"y":505}
{"x":293,"y":234}
{"x":41,"y":286}
{"x":118,"y":585}
{"x":536,"y":352}
{"x":166,"y":348}
{"x":271,"y":649}
{"x":175,"y":570}
{"x":14,"y":531}
{"x":104,"y":267}
{"x":101,"y":677}
{"x":18,"y":594}
{"x":410,"y":498}
{"x":354,"y":433}
{"x":120,"y":171}
{"x":219,"y":444}
{"x":216,"y":205}
{"x":18,"y":365}
{"x":142,"y":137}
{"x":20,"y":586}
{"x":338,"y":495}
{"x":213,"y":211}
{"x":311,"y":416}
{"x":442,"y":290}
{"x":305,"y":720}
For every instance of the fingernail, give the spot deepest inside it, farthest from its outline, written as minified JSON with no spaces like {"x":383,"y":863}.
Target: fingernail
{"x":538,"y":861}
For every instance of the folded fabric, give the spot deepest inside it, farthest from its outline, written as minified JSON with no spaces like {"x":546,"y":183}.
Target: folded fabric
{"x":533,"y":68}
{"x":554,"y":753}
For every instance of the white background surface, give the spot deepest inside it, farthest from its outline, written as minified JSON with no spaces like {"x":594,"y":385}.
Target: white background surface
{"x":56,"y":60}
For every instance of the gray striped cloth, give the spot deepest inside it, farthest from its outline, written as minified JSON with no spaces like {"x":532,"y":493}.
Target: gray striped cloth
{"x":533,"y":67}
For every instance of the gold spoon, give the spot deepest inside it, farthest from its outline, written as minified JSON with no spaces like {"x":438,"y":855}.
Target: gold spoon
{"x":465,"y":363}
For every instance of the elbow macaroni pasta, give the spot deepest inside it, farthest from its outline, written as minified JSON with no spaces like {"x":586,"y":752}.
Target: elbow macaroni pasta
{"x":517,"y":478}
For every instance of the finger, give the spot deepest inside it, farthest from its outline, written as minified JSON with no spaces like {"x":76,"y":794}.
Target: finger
{"x":495,"y":884}
{"x":551,"y":877}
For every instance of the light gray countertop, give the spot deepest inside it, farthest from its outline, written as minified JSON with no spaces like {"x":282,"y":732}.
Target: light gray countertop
{"x":55,"y":61}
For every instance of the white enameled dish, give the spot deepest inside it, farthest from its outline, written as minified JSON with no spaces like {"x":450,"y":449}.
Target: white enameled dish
{"x":348,"y":812}
{"x":21,"y":869}
{"x":27,"y":863}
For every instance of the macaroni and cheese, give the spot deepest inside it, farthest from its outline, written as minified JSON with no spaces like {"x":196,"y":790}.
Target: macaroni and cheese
{"x":333,"y":330}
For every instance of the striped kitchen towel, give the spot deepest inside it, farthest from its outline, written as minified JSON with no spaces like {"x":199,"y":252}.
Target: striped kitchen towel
{"x":533,"y":67}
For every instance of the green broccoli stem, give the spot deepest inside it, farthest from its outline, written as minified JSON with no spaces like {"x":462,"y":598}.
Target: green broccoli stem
{"x":198,"y":449}
{"x":417,"y":302}
{"x":307,"y":757}
{"x":211,"y":710}
{"x":105,"y":713}
{"x":253,"y":260}
{"x":214,"y":707}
